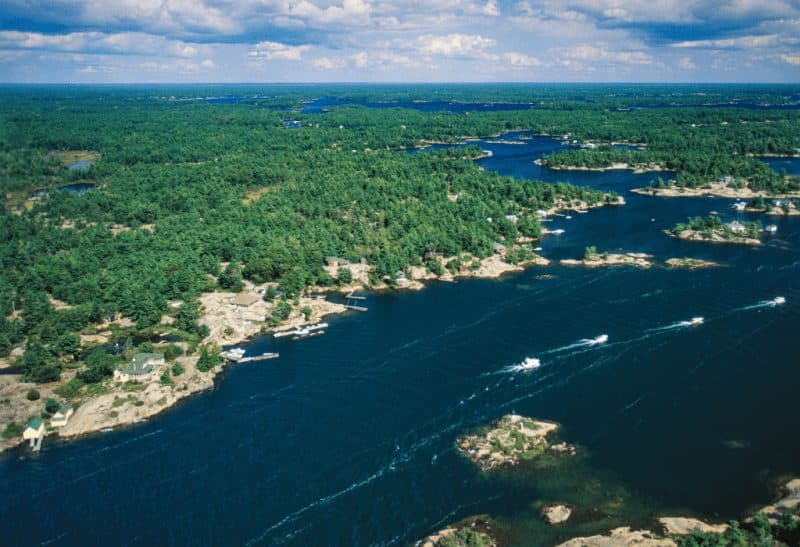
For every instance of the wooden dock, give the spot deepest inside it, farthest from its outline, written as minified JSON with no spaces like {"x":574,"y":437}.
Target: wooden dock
{"x":251,"y":358}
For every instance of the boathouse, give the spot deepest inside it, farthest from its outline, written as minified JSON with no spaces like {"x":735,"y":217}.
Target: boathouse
{"x":62,"y":415}
{"x":142,"y":368}
{"x":34,"y":432}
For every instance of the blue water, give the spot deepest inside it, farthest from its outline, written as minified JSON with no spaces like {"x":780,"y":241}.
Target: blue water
{"x":348,"y":438}
{"x":323,"y":104}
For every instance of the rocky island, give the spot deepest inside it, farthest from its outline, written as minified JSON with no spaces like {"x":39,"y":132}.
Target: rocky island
{"x":594,"y":259}
{"x":689,"y":263}
{"x":713,"y":230}
{"x":510,"y":440}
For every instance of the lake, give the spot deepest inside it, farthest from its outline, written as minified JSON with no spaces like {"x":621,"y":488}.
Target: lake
{"x":348,"y":438}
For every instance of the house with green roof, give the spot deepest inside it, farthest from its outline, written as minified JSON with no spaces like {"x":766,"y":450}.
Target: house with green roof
{"x":34,"y":432}
{"x":142,"y":368}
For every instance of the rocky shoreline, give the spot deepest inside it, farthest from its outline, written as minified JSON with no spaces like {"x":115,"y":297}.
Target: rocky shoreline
{"x":636,"y":168}
{"x":716,"y":189}
{"x":716,"y":236}
{"x":510,"y":440}
{"x":596,"y":260}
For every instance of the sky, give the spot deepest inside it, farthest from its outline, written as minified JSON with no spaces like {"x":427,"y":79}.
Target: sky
{"x":125,"y":41}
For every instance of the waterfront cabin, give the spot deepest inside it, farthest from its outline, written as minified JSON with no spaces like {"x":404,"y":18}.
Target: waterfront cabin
{"x":245,"y":300}
{"x":512,"y":218}
{"x":740,"y":206}
{"x":736,"y":226}
{"x":34,"y":432}
{"x":142,"y":368}
{"x":499,"y":248}
{"x":432,"y":255}
{"x":62,"y":415}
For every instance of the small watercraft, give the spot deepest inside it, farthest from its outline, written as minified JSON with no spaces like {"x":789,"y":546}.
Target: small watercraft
{"x":696,"y":321}
{"x":778,"y":300}
{"x":557,"y":232}
{"x":602,"y":339}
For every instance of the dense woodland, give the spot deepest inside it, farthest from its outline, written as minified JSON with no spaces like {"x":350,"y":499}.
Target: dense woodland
{"x":184,"y":185}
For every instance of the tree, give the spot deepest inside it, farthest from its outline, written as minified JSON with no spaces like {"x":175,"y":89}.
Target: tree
{"x":12,"y":431}
{"x":209,"y":358}
{"x":39,"y":364}
{"x":32,"y":395}
{"x":51,"y":406}
{"x":99,"y":366}
{"x":344,"y":275}
{"x":67,"y":344}
{"x":231,"y":278}
{"x":306,"y":311}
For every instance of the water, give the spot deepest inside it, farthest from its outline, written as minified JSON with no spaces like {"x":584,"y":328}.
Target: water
{"x":348,"y":438}
{"x":323,"y":104}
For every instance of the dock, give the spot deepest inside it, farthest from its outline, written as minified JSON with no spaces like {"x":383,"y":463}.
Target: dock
{"x":302,"y":332}
{"x":351,"y":302}
{"x":238,"y":356}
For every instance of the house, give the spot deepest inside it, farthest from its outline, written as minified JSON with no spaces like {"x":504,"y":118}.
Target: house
{"x":541,"y":213}
{"x":245,"y":299}
{"x":589,"y":146}
{"x":736,"y":226}
{"x":512,"y":218}
{"x":335,"y":261}
{"x":142,"y":368}
{"x":499,"y":248}
{"x":62,"y":415}
{"x":34,"y":432}
{"x":431,"y":255}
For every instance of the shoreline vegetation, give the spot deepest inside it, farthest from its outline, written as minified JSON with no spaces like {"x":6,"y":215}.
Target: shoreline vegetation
{"x":716,"y":189}
{"x":712,"y":229}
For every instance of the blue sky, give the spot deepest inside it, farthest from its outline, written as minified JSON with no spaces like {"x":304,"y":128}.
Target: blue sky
{"x":118,"y":41}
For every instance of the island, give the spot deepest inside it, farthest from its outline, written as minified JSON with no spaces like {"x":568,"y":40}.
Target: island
{"x":690,"y":263}
{"x":510,"y":440}
{"x":713,"y":230}
{"x":742,"y":190}
{"x":776,"y":207}
{"x":594,"y":259}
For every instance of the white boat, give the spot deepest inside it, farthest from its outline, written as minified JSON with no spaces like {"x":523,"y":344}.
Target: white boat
{"x":772,"y":228}
{"x":602,"y":339}
{"x":778,"y":300}
{"x":696,"y":320}
{"x":530,"y":363}
{"x":557,"y":232}
{"x":568,"y":217}
{"x":233,"y":354}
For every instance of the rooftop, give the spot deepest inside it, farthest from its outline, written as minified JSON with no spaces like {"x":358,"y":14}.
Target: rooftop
{"x":245,"y":299}
{"x":35,"y":423}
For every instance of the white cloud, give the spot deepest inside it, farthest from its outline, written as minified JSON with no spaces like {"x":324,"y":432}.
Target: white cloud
{"x":686,"y":63}
{"x":275,"y":51}
{"x":586,"y":52}
{"x":454,"y":45}
{"x":351,"y":12}
{"x":125,"y":43}
{"x":745,"y":42}
{"x":328,"y":63}
{"x":521,"y":60}
{"x":791,"y":59}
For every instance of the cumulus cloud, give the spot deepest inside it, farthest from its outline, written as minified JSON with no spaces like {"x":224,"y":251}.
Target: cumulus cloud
{"x":521,"y":60}
{"x":124,"y":43}
{"x":745,"y":42}
{"x":791,"y":59}
{"x":275,"y":51}
{"x":586,"y":52}
{"x":455,"y":45}
{"x":328,"y":63}
{"x":686,"y":63}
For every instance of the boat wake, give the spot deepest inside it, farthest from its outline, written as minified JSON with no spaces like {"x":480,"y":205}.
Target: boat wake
{"x":529,"y":364}
{"x":777,"y":301}
{"x":582,"y":343}
{"x":693,"y":322}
